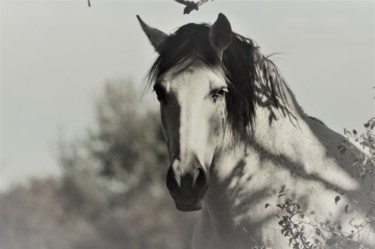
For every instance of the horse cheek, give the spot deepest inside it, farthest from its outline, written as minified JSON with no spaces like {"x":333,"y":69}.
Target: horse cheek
{"x":216,"y":121}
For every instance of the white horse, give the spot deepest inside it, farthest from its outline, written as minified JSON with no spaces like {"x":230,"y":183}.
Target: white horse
{"x":241,"y":149}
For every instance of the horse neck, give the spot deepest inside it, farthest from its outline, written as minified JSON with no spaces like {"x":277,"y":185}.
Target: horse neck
{"x":284,"y":139}
{"x":272,"y":122}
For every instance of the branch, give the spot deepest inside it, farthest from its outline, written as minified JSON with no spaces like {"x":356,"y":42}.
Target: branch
{"x":89,"y":3}
{"x":190,"y":5}
{"x":364,"y":150}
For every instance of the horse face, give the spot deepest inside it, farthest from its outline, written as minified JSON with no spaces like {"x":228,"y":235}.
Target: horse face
{"x":192,"y":107}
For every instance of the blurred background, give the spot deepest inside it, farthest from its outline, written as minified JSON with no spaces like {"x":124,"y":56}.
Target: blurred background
{"x":83,"y":159}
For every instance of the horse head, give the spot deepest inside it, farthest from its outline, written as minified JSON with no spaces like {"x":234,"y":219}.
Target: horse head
{"x":191,"y":87}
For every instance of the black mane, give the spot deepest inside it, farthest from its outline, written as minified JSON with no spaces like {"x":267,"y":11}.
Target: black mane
{"x":239,"y":62}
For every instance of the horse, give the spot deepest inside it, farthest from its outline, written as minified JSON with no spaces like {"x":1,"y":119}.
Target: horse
{"x":242,"y":151}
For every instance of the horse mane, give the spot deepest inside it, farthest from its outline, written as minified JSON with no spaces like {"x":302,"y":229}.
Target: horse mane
{"x":241,"y":62}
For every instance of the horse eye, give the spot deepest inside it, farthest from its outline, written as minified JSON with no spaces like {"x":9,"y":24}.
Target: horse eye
{"x":222,"y":91}
{"x":219,"y":93}
{"x":160,"y":92}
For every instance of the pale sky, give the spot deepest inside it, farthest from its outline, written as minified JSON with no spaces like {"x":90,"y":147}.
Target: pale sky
{"x":57,"y":55}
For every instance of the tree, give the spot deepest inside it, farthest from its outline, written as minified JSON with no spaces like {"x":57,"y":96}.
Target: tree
{"x":114,"y":177}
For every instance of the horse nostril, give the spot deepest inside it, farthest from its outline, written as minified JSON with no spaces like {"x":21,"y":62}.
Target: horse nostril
{"x":201,"y":180}
{"x":171,"y":181}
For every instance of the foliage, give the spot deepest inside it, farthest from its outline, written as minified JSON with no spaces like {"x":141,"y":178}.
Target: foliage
{"x":365,"y":162}
{"x":292,"y":229}
{"x":292,"y":225}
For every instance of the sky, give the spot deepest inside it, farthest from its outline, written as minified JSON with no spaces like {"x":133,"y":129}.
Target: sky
{"x":57,"y":55}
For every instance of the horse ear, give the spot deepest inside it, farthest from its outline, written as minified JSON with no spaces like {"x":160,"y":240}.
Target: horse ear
{"x":220,"y":34}
{"x":155,"y":36}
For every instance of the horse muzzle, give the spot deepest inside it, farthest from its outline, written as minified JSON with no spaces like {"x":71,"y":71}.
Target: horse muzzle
{"x":187,"y":187}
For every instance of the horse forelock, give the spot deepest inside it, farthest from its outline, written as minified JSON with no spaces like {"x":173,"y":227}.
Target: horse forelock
{"x":241,"y":62}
